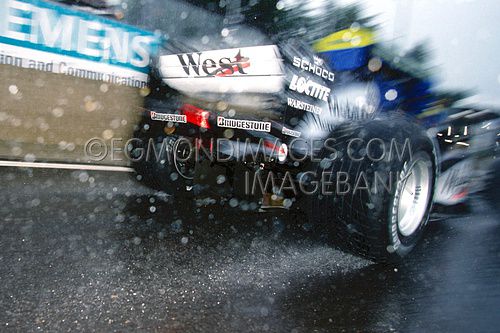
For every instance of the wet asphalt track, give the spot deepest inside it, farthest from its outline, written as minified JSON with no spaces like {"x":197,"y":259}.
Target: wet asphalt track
{"x":94,"y":251}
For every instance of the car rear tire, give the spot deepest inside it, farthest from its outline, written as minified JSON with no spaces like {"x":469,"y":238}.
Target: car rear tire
{"x":382,"y":223}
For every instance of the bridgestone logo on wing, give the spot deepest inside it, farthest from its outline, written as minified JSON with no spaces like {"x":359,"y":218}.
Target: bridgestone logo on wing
{"x":261,"y":126}
{"x":304,"y":106}
{"x":175,"y":118}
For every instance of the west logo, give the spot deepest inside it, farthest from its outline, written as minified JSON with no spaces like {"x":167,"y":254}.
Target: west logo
{"x":195,"y":64}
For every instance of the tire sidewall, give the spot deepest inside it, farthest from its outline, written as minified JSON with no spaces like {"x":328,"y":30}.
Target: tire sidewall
{"x":398,"y":244}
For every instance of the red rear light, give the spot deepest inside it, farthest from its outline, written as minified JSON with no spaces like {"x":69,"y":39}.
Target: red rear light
{"x":195,"y":115}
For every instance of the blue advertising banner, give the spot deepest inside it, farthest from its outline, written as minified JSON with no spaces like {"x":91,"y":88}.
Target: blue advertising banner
{"x":46,"y":36}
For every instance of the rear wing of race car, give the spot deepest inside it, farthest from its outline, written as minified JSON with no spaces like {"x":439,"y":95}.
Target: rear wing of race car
{"x":257,"y":69}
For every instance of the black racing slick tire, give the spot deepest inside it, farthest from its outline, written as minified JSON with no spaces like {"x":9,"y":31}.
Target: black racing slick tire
{"x":381,"y":176}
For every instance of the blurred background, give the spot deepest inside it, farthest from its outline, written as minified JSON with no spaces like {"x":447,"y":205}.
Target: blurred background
{"x":91,"y":247}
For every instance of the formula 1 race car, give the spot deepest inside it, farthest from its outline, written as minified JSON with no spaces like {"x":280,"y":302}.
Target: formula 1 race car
{"x":268,"y":125}
{"x":468,"y":144}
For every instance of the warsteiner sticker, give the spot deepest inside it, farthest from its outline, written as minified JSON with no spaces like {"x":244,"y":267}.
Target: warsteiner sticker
{"x":303,"y":106}
{"x":290,"y":132}
{"x":175,"y":118}
{"x":261,"y":126}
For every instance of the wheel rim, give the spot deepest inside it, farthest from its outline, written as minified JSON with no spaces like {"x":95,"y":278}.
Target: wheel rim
{"x":414,"y":198}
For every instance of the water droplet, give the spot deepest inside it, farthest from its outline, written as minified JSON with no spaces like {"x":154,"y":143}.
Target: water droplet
{"x":13,"y":89}
{"x":107,"y":134}
{"x":29,"y":157}
{"x":374,"y":64}
{"x":391,"y":94}
{"x":221,"y":179}
{"x":57,"y":112}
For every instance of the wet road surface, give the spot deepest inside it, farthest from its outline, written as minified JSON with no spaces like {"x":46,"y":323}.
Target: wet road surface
{"x":86,"y":251}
